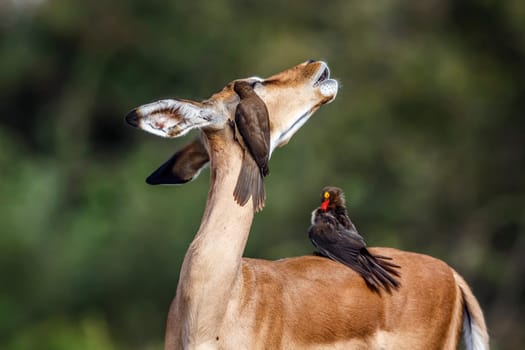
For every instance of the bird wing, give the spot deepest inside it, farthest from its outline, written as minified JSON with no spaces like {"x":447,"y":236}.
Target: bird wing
{"x":336,"y":243}
{"x":348,"y":248}
{"x":251,"y":117}
{"x":342,"y":216}
{"x":352,"y":237}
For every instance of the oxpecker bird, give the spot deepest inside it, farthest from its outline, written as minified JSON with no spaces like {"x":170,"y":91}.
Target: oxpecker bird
{"x":336,"y":237}
{"x":252,"y":122}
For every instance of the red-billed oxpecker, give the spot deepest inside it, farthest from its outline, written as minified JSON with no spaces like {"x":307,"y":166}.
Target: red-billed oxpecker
{"x":252,"y":121}
{"x":335,"y":236}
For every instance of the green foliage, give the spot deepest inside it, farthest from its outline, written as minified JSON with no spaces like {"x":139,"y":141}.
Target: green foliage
{"x":426,"y":137}
{"x":61,"y":334}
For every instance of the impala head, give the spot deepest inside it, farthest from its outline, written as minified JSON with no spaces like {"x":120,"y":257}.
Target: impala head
{"x":331,"y":198}
{"x":291,"y":97}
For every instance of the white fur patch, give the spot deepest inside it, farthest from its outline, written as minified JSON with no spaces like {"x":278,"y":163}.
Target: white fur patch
{"x":173,"y":118}
{"x":329,"y":88}
{"x":472,"y":334}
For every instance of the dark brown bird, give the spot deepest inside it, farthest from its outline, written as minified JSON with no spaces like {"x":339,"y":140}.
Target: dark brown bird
{"x":251,"y":119}
{"x":335,"y":236}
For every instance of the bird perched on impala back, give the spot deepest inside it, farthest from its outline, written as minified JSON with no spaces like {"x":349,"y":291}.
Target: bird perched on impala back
{"x":336,"y":237}
{"x":251,"y":119}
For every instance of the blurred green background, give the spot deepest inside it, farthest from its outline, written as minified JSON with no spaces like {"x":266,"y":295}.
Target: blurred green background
{"x":427,"y":138}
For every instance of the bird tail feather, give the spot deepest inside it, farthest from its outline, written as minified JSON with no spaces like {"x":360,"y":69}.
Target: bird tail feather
{"x":380,"y":273}
{"x":250,"y":183}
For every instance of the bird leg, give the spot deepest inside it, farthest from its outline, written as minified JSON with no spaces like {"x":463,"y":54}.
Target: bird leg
{"x":233,"y":126}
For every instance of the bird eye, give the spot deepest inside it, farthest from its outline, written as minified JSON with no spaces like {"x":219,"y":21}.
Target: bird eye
{"x":326,"y":195}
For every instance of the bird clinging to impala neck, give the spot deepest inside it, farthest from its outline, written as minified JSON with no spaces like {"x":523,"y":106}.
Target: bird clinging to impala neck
{"x":252,"y":121}
{"x":335,"y":236}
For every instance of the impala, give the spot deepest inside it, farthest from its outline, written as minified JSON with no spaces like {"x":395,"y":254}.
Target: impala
{"x":225,"y":301}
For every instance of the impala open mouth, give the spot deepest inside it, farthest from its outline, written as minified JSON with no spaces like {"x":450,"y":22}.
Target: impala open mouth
{"x":324,"y":75}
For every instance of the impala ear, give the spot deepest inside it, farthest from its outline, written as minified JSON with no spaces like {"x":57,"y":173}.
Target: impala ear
{"x":172,"y":118}
{"x":182,"y":167}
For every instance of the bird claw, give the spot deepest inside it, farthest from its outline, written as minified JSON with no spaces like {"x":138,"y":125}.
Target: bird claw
{"x":232,"y":125}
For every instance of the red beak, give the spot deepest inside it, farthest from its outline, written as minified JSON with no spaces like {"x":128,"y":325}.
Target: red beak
{"x":324,"y":205}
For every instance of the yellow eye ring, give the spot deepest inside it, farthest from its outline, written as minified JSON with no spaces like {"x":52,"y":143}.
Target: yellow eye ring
{"x":326,"y":195}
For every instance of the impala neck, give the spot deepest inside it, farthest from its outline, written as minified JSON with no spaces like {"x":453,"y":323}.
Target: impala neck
{"x":211,"y":267}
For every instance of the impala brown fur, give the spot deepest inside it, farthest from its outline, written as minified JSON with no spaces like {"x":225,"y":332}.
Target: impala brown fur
{"x":313,"y":302}
{"x":224,"y":301}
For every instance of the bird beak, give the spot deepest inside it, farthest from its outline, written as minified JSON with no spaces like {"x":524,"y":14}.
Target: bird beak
{"x":324,"y":205}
